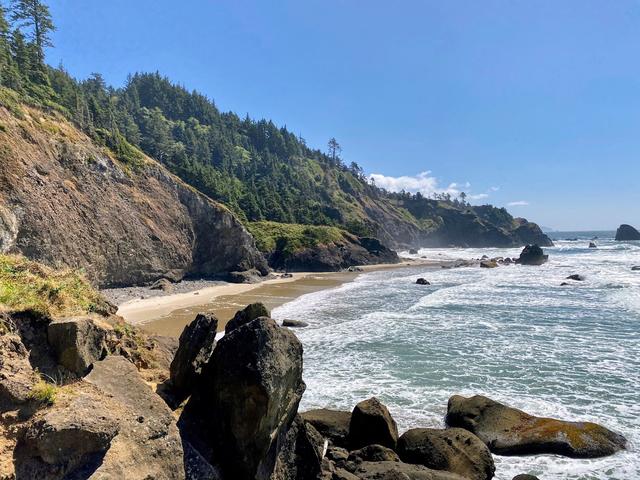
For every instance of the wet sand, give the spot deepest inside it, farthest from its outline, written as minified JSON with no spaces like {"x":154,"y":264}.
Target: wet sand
{"x":225,"y":306}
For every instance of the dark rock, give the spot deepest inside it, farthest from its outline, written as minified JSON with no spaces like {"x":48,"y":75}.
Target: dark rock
{"x":525,"y":476}
{"x":507,"y":261}
{"x":413,"y":251}
{"x":636,"y":268}
{"x":399,"y":471}
{"x":301,"y":454}
{"x":373,"y":453}
{"x":453,"y":450}
{"x":248,"y":398}
{"x":332,"y":424}
{"x":564,"y":284}
{"x":78,"y":342}
{"x":16,"y":375}
{"x":247,"y":276}
{"x":371,"y":423}
{"x":592,"y":245}
{"x":422,"y":281}
{"x":246,"y":315}
{"x":532,"y":255}
{"x":286,"y":275}
{"x":509,"y":431}
{"x":196,"y":344}
{"x":627,"y":233}
{"x":355,"y":269}
{"x":162,"y":284}
{"x":488,"y":264}
{"x":337,"y":455}
{"x":294,"y":323}
{"x":576,"y":277}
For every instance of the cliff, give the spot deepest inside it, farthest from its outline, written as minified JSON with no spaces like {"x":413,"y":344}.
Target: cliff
{"x":66,"y":200}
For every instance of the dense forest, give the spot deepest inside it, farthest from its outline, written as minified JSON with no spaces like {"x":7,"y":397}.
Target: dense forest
{"x":258,"y":169}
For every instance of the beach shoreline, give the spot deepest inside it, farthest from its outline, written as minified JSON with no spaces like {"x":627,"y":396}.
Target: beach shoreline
{"x":168,"y":314}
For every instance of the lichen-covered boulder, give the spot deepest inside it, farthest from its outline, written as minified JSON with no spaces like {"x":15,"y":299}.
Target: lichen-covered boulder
{"x":248,"y":397}
{"x":510,"y":431}
{"x":78,"y":342}
{"x":371,"y":423}
{"x":453,"y":450}
{"x":246,"y":315}
{"x":196,"y":344}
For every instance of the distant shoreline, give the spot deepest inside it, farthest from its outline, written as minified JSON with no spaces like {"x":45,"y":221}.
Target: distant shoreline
{"x":168,"y":314}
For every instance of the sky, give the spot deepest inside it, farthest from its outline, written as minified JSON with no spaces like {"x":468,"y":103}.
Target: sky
{"x":531,"y":105}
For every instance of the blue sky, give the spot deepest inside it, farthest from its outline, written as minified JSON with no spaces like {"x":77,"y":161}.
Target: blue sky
{"x":530,"y":103}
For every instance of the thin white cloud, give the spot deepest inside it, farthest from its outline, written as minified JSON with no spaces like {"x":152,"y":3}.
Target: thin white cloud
{"x":519,"y":203}
{"x":494,"y":189}
{"x":478,"y":196}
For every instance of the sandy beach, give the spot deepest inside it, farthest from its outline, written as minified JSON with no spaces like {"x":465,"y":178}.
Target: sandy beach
{"x":168,"y":314}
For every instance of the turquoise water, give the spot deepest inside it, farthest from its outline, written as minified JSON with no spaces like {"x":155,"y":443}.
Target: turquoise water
{"x":511,"y":333}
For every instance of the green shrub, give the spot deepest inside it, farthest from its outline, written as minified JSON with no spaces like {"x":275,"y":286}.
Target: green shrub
{"x":290,"y":237}
{"x":44,"y":392}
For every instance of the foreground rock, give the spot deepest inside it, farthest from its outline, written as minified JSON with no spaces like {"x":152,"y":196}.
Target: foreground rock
{"x":509,"y":431}
{"x":16,"y":375}
{"x":78,"y":342}
{"x":371,"y":423}
{"x":246,"y":315}
{"x":399,"y":471}
{"x":453,"y":450}
{"x":248,"y":398}
{"x":627,"y":233}
{"x":532,"y":255}
{"x":332,"y":424}
{"x":301,"y":453}
{"x":196,"y":344}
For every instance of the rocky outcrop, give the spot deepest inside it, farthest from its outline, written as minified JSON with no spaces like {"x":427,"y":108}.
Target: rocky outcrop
{"x":453,"y":450}
{"x":246,"y":315}
{"x":196,"y":344}
{"x":16,"y":375}
{"x":371,"y":423}
{"x":332,"y":424}
{"x":532,"y":255}
{"x":65,"y":200}
{"x":627,"y":233}
{"x":509,"y":431}
{"x":78,"y":342}
{"x":247,"y":399}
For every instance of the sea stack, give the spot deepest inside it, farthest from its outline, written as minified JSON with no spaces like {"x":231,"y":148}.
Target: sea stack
{"x":627,"y":232}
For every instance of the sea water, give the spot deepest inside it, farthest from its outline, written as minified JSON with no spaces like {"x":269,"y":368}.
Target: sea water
{"x":511,"y":333}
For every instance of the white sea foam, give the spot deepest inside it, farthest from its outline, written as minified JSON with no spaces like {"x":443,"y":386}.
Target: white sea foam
{"x":511,"y":333}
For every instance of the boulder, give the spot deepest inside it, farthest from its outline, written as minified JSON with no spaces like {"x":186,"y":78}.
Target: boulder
{"x":635,"y":268}
{"x":247,"y":398}
{"x":196,"y":344}
{"x":246,"y":276}
{"x":16,"y":375}
{"x":70,"y":436}
{"x":453,"y":450}
{"x":162,"y":284}
{"x":532,"y":255}
{"x":488,"y":264}
{"x":592,"y":245}
{"x":509,"y":431}
{"x":148,"y":444}
{"x":371,"y":423}
{"x":332,"y":424}
{"x":294,"y":323}
{"x":627,"y":233}
{"x":576,"y":277}
{"x":78,"y":342}
{"x":564,"y":284}
{"x":525,"y":476}
{"x":373,"y":453}
{"x":399,"y":471}
{"x":249,"y":313}
{"x":302,"y":452}
{"x":422,"y":281}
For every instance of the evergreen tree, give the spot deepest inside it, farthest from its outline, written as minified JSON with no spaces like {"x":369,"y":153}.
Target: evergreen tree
{"x":5,"y":53}
{"x":35,"y":14}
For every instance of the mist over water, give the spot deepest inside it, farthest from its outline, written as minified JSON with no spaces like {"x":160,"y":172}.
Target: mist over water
{"x":511,"y":333}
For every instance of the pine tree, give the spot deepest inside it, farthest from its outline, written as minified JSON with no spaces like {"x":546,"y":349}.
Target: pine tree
{"x":5,"y":54}
{"x":35,"y":14}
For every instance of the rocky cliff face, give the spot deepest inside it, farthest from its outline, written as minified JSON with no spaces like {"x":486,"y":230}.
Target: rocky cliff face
{"x":65,"y":200}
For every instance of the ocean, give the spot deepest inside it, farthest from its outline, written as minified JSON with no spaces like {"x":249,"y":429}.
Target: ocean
{"x":511,"y":333}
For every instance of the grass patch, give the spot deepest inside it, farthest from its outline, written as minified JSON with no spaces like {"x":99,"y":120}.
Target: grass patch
{"x":30,"y":286}
{"x":290,"y":237}
{"x":44,"y":392}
